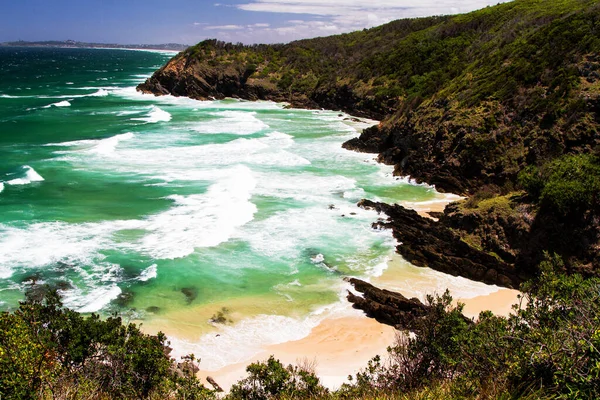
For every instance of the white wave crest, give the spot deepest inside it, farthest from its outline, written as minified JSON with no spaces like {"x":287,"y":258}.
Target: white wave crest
{"x":218,"y":351}
{"x":29,"y":175}
{"x":93,"y":301}
{"x":148,"y":273}
{"x":1,"y":186}
{"x":63,"y":103}
{"x":107,"y":146}
{"x":99,"y":93}
{"x":155,"y":115}
{"x":102,"y":147}
{"x":47,"y":243}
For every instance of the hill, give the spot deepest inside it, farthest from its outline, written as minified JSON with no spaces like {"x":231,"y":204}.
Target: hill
{"x":489,"y":104}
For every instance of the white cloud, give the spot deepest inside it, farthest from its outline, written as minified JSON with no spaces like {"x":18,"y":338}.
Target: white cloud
{"x":348,"y":15}
{"x":328,"y":17}
{"x":224,"y":27}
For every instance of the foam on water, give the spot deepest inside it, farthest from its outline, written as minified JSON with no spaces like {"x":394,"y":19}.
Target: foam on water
{"x":236,"y":122}
{"x":286,"y":234}
{"x":107,"y":146}
{"x":1,"y":186}
{"x":99,"y":93}
{"x":304,"y":186}
{"x":155,"y":115}
{"x":203,"y":220}
{"x":28,"y":175}
{"x":47,"y":243}
{"x":254,"y":334}
{"x":63,"y":103}
{"x":92,"y":301}
{"x":148,"y":273}
{"x":155,"y":158}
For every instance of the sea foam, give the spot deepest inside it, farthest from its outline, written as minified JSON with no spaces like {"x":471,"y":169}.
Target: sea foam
{"x":63,"y":103}
{"x":255,"y":333}
{"x":107,"y":146}
{"x":202,"y":220}
{"x":235,"y":122}
{"x":92,"y":300}
{"x":156,"y":114}
{"x":148,"y":273}
{"x":28,"y":175}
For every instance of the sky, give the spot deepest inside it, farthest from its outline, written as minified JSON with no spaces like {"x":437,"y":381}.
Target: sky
{"x":190,"y":21}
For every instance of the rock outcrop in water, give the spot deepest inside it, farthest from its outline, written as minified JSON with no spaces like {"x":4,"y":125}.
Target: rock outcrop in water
{"x":467,"y":103}
{"x":427,"y":243}
{"x":387,"y":307}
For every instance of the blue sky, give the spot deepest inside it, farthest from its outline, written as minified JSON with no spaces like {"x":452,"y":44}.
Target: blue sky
{"x":190,"y":21}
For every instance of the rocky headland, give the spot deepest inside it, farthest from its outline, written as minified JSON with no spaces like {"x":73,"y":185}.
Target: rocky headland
{"x":489,"y":105}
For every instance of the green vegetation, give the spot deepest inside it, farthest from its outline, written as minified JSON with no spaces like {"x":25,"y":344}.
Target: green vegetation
{"x":568,"y":185}
{"x":47,"y":351}
{"x":488,"y":102}
{"x":549,"y":347}
{"x":270,"y":380}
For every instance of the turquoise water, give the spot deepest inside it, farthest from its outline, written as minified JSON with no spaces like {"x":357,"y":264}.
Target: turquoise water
{"x":168,"y":209}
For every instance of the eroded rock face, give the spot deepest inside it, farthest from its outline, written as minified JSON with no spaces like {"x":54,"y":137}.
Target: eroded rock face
{"x":387,"y":307}
{"x":427,"y":243}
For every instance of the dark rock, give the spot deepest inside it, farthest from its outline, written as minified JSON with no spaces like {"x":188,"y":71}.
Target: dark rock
{"x":214,"y":384}
{"x":191,"y":293}
{"x":32,"y":278}
{"x":124,"y":298}
{"x":435,"y":214}
{"x":63,"y":285}
{"x":427,"y":243}
{"x":153,"y":309}
{"x":385,"y":306}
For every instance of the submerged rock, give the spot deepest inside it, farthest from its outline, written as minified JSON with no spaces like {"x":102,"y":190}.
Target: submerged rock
{"x":191,"y":293}
{"x":124,"y":298}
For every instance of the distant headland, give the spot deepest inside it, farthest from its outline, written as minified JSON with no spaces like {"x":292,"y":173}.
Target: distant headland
{"x":76,"y":44}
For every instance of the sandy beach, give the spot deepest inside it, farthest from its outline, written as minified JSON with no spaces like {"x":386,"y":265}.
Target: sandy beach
{"x":339,"y":347}
{"x":342,"y":346}
{"x":344,"y":340}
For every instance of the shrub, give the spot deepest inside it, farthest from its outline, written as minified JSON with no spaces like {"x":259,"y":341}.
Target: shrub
{"x":272,"y":380}
{"x":50,"y":351}
{"x":569,"y":185}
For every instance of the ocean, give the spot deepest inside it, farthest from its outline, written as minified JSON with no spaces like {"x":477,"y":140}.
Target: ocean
{"x":196,"y":218}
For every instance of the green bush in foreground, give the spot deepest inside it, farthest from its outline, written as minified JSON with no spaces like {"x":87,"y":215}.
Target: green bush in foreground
{"x":272,"y":380}
{"x":548,"y":348}
{"x":47,"y":351}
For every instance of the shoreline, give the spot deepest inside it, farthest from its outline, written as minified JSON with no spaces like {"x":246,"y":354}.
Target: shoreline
{"x":341,"y":346}
{"x":342,"y":343}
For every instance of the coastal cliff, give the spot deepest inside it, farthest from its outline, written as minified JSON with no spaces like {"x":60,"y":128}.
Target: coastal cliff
{"x":467,"y":103}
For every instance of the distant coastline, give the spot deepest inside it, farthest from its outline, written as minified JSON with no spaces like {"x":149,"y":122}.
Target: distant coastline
{"x":80,"y":45}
